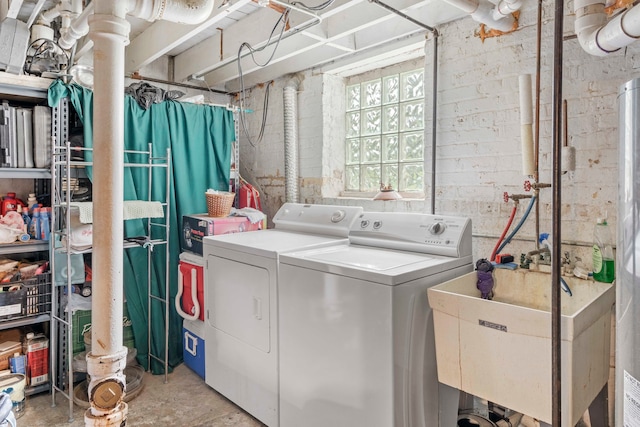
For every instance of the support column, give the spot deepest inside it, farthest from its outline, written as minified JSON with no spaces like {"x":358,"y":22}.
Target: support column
{"x":109,"y":32}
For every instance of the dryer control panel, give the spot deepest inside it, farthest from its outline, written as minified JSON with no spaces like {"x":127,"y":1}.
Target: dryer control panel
{"x":326,"y":220}
{"x":433,"y":234}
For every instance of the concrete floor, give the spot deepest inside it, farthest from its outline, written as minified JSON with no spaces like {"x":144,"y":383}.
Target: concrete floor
{"x":184,"y":401}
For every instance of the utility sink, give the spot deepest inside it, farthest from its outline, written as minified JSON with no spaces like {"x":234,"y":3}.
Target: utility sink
{"x":500,"y":349}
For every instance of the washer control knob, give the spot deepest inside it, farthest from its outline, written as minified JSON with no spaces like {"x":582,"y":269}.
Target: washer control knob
{"x":437,"y":228}
{"x":338,"y":216}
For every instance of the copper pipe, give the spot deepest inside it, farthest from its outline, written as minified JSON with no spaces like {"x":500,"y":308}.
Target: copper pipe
{"x":556,"y":351}
{"x":434,"y":125}
{"x":536,"y":141}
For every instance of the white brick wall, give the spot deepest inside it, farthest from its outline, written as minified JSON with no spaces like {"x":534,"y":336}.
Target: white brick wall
{"x":478,"y":133}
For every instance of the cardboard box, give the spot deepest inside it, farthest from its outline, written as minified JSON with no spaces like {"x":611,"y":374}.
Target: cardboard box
{"x":7,"y":349}
{"x":196,"y":227}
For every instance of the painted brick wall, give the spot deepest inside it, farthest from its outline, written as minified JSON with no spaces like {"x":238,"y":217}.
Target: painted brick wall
{"x":478,"y":134}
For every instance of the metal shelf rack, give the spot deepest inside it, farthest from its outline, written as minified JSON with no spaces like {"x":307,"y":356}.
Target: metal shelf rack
{"x":62,"y":320}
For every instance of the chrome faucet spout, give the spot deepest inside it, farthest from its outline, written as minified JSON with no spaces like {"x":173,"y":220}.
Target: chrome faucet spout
{"x":540,"y":251}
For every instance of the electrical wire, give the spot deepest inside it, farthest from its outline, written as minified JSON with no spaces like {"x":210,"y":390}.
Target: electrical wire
{"x":243,"y":121}
{"x":314,"y":8}
{"x":44,"y":51}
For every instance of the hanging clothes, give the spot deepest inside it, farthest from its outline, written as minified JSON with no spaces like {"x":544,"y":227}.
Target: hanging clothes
{"x":200,"y":138}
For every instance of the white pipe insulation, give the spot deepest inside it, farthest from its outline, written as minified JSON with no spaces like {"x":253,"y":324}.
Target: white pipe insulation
{"x":483,"y":11}
{"x":599,"y":37}
{"x":290,"y":94}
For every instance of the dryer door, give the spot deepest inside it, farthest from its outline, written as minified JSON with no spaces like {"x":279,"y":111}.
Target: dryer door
{"x":238,"y":300}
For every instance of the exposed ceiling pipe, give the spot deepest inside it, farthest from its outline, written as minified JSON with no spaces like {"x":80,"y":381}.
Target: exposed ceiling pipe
{"x":483,"y":11}
{"x":403,"y":15}
{"x":506,"y":8}
{"x":78,"y":28}
{"x":599,"y":37}
{"x":34,"y":13}
{"x":181,"y":12}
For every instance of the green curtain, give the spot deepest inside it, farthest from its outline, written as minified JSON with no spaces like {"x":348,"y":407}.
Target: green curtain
{"x":200,"y":138}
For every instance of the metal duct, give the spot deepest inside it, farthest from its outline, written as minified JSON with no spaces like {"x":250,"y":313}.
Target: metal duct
{"x":290,"y":93}
{"x":628,"y":258}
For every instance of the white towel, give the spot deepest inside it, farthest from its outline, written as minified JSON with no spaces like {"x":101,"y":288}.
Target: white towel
{"x":252,"y":214}
{"x":132,"y":209}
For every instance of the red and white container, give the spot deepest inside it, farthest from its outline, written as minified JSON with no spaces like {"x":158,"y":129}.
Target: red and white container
{"x":190,"y":297}
{"x":37,"y":350}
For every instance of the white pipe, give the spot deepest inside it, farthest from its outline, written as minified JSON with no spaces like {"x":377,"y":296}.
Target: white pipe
{"x":109,"y":31}
{"x":526,"y":120}
{"x":506,"y":7}
{"x":290,"y":93}
{"x":34,"y":13}
{"x":482,"y":11}
{"x":49,"y":15}
{"x":599,"y":37}
{"x":78,"y":28}
{"x":180,"y":11}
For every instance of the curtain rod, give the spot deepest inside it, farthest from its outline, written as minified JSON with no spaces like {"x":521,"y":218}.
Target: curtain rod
{"x":136,"y":76}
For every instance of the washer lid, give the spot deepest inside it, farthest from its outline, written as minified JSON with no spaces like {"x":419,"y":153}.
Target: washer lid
{"x":378,"y":265}
{"x":267,"y":243}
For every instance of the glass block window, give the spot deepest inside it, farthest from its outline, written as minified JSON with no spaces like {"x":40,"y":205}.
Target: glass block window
{"x":385,"y":133}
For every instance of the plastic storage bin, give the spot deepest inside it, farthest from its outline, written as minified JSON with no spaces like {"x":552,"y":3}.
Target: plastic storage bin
{"x":193,"y":346}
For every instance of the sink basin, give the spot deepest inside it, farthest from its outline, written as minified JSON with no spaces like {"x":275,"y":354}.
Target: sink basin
{"x":500,"y":349}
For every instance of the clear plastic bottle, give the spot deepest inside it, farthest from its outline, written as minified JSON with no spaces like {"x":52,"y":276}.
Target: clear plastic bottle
{"x":604,"y":269}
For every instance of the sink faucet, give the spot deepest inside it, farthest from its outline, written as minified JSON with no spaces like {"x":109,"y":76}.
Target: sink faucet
{"x":546,"y":250}
{"x":540,"y":251}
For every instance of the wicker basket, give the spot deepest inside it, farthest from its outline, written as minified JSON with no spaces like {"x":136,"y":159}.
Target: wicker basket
{"x":219,"y":204}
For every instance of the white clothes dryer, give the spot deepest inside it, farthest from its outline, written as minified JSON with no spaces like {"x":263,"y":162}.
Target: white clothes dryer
{"x":356,"y":330}
{"x":241,"y":301}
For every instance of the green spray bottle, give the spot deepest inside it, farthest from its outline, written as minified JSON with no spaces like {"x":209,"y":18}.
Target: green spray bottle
{"x":604,"y":269}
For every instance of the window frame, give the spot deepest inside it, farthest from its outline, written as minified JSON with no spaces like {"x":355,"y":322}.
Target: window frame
{"x":381,"y":75}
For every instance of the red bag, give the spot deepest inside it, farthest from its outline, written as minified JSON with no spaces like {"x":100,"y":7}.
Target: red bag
{"x":249,"y":196}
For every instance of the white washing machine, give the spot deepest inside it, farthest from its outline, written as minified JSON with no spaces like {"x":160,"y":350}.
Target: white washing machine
{"x":241,"y":301}
{"x":356,"y":330}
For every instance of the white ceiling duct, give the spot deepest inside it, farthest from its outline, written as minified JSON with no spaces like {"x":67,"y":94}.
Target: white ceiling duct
{"x":599,"y":37}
